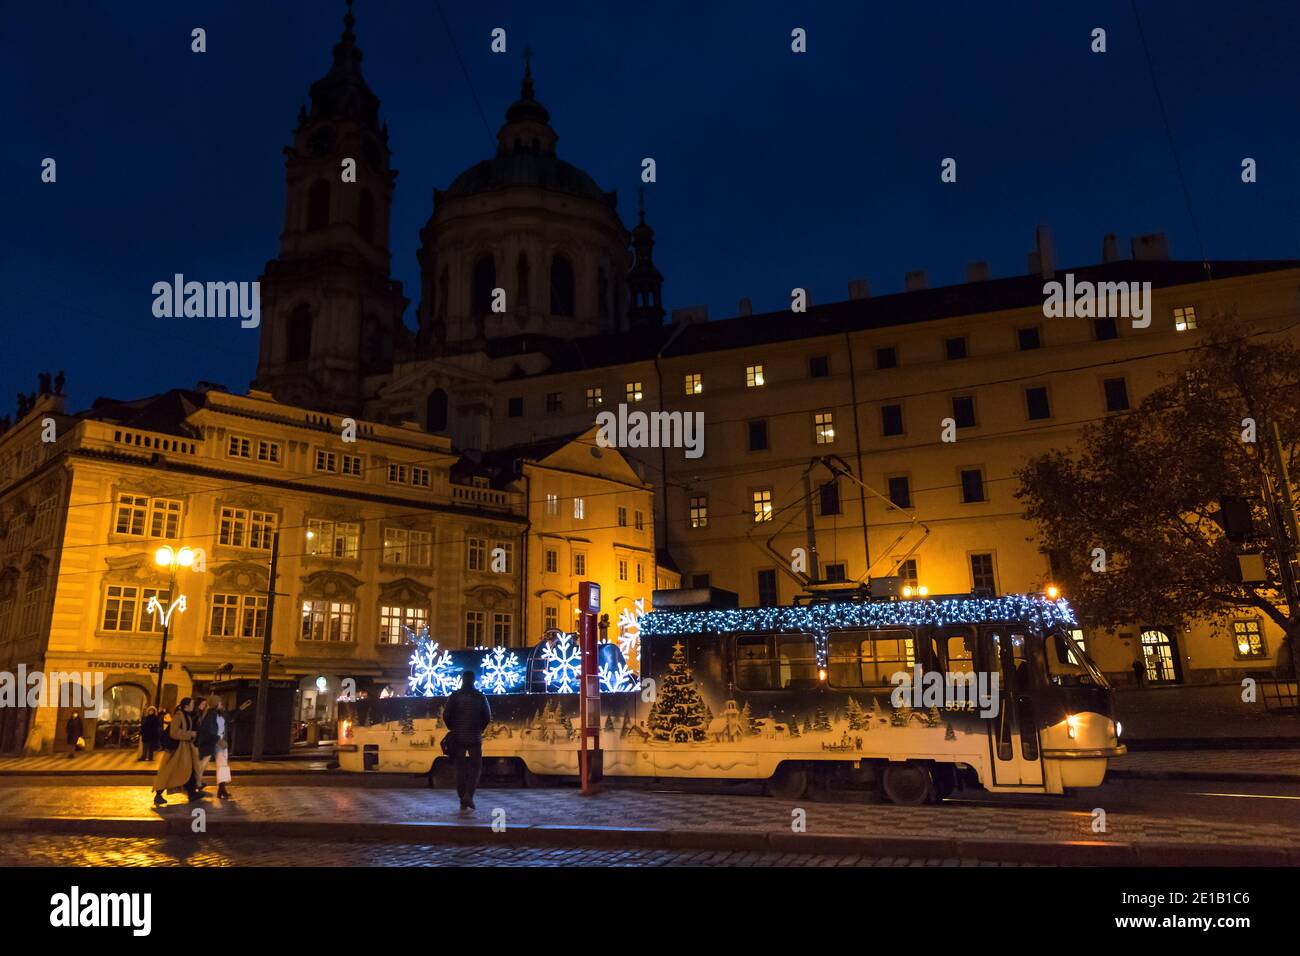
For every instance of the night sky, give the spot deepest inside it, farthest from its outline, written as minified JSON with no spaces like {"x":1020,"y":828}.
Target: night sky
{"x":775,"y":169}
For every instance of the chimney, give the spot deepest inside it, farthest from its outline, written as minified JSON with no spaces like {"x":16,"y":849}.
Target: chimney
{"x":1046,"y":250}
{"x":977,"y":272}
{"x":1109,"y":248}
{"x":914,"y":281}
{"x":859,"y":289}
{"x":1152,"y":248}
{"x":746,"y":307}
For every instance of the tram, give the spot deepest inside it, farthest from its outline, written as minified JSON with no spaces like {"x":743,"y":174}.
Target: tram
{"x":911,"y":699}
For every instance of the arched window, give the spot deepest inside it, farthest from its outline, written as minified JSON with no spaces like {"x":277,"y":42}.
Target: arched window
{"x":318,"y":205}
{"x":485,"y":280}
{"x":366,"y":219}
{"x":521,"y":282}
{"x":435,"y":411}
{"x":298,"y":344}
{"x":561,"y":286}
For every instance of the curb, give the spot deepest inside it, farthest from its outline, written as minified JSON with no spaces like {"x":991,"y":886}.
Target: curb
{"x":1246,"y":777}
{"x":134,"y":772}
{"x":1053,"y":852}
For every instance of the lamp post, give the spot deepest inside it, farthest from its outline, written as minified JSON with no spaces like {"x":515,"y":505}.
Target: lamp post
{"x":264,"y":675}
{"x":171,"y":559}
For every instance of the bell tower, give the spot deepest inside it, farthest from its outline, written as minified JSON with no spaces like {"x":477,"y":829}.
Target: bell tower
{"x":331,"y":313}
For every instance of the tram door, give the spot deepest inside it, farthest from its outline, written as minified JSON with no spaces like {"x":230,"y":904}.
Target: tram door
{"x":1013,"y":730}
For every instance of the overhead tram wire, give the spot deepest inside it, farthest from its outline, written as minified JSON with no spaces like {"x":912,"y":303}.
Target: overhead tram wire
{"x":451,"y":37}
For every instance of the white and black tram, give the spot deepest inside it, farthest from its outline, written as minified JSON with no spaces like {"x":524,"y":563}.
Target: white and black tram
{"x":915,"y":698}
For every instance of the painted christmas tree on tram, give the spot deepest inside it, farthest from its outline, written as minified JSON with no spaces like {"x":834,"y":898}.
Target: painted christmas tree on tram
{"x":679,"y":714}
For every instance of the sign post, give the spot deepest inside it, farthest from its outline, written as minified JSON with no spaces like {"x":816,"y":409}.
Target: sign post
{"x":589,"y":760}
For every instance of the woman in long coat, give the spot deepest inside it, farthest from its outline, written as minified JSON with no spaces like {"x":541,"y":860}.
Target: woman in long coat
{"x":177,"y":770}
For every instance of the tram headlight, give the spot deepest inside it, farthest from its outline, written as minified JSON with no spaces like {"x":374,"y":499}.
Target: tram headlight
{"x":1119,"y":729}
{"x":821,"y":673}
{"x":1072,"y":724}
{"x":907,"y":590}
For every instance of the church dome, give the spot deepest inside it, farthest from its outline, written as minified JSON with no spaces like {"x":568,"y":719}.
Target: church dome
{"x":526,"y":157}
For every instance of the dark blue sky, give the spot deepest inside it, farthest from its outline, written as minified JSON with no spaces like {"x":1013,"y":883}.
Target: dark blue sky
{"x":775,"y":169}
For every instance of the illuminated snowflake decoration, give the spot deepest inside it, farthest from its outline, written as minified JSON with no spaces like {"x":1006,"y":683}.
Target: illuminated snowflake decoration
{"x":617,"y":680}
{"x":500,"y":671}
{"x":563,"y":660}
{"x":629,"y":632}
{"x":431,"y":669}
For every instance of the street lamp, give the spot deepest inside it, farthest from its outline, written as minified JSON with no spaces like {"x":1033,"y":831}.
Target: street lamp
{"x":171,"y":559}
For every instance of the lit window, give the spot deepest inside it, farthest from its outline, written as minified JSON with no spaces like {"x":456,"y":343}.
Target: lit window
{"x":753,"y":376}
{"x":407,"y":546}
{"x":1185,"y":319}
{"x":327,"y":621}
{"x":824,"y":428}
{"x":579,"y":508}
{"x":595,"y":397}
{"x":1248,"y":639}
{"x":762,"y":505}
{"x":394,"y":619}
{"x":699,"y":511}
{"x":694,"y":383}
{"x":634,"y":393}
{"x":552,"y":505}
{"x":333,"y":539}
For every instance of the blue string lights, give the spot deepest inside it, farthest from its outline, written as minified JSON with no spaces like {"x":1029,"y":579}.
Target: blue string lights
{"x":819,"y":620}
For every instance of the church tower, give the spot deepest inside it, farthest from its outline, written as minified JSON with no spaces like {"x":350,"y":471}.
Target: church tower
{"x":331,"y":313}
{"x":644,"y":281}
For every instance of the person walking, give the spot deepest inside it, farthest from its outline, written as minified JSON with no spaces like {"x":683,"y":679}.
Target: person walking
{"x":75,"y":733}
{"x":1139,"y":672}
{"x":207,"y":737}
{"x":149,"y":728}
{"x":467,"y":715}
{"x":177,"y":770}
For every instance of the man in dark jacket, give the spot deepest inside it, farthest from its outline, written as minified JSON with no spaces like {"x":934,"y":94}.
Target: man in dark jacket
{"x":74,"y":730}
{"x":467,"y":715}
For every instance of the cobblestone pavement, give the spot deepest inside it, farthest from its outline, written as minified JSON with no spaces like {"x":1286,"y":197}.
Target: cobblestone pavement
{"x":619,"y":809}
{"x":127,"y":761}
{"x":44,"y":850}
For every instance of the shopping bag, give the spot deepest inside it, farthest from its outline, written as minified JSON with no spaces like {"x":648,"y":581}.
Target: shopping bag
{"x":81,"y":743}
{"x":223,"y":767}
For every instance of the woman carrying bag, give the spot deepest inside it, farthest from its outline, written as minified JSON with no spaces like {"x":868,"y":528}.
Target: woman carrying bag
{"x":177,"y":770}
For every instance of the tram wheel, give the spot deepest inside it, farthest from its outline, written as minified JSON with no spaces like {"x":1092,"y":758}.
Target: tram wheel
{"x":908,"y":784}
{"x":788,"y":783}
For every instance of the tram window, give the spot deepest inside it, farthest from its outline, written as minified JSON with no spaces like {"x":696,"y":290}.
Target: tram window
{"x":775,"y":662}
{"x":961,"y":654}
{"x":869,"y":658}
{"x":1062,"y":667}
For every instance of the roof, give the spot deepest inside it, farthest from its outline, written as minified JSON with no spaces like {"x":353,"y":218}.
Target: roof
{"x":853,"y":315}
{"x":535,"y":170}
{"x":167,"y":413}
